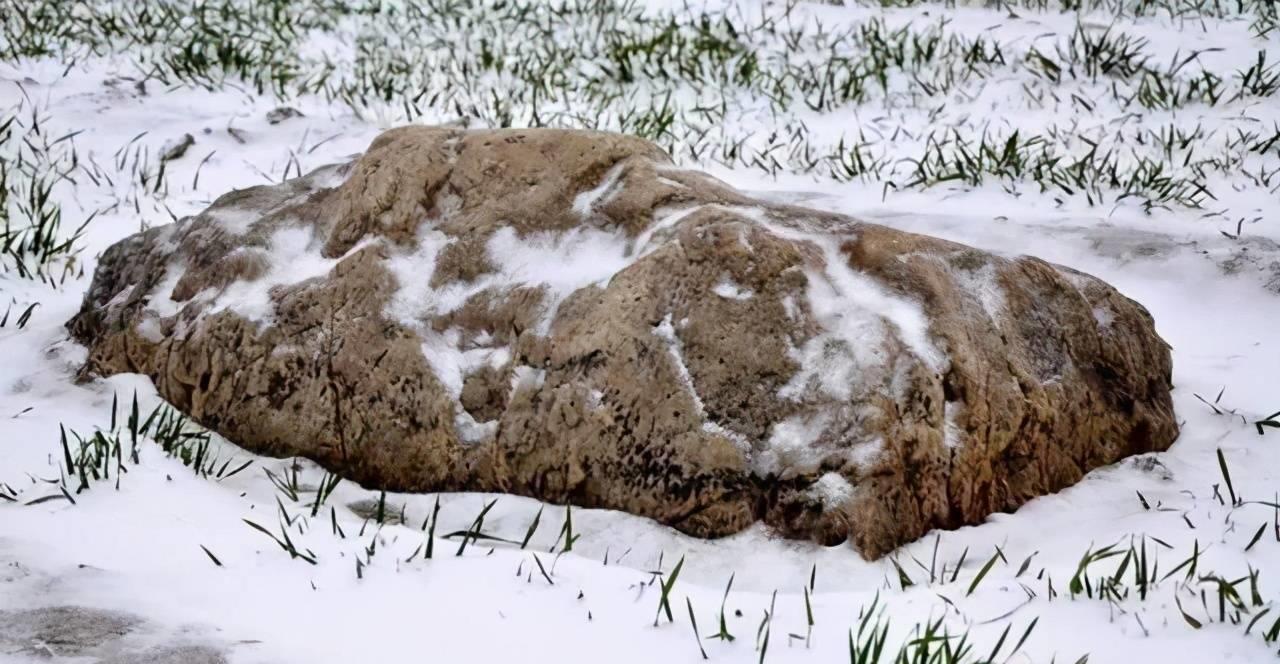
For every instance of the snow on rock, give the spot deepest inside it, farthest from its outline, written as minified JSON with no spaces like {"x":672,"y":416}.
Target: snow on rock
{"x":832,"y":490}
{"x":561,"y":263}
{"x":793,"y":443}
{"x":585,"y":202}
{"x":731,"y":291}
{"x":667,"y":333}
{"x":598,"y":327}
{"x":982,"y":284}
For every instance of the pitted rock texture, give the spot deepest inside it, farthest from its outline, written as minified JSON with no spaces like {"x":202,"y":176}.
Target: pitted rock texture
{"x":568,"y":316}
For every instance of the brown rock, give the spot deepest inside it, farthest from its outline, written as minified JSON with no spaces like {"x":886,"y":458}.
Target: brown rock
{"x":566,"y":315}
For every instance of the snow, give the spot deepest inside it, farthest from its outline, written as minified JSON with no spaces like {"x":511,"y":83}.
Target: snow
{"x":412,"y":270}
{"x":864,"y":454}
{"x":160,"y":303}
{"x":832,"y":490}
{"x":525,"y":377}
{"x":792,"y":444}
{"x":952,"y":434}
{"x":292,"y":255}
{"x":789,"y":306}
{"x":472,"y":432}
{"x":857,"y":316}
{"x":666,"y":219}
{"x":138,"y":549}
{"x":1103,"y":317}
{"x":560,"y":263}
{"x":731,"y":291}
{"x":235,"y":221}
{"x":563,"y":263}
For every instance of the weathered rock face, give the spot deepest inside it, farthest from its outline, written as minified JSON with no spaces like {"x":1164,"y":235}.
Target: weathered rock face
{"x":566,"y":315}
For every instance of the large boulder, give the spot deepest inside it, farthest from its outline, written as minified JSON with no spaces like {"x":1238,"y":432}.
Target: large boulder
{"x":566,"y":315}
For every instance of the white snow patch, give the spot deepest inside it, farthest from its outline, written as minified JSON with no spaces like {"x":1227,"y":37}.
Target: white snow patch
{"x":952,"y":434}
{"x":666,"y":331}
{"x":792,"y":444}
{"x":1079,"y":280}
{"x":563,"y":263}
{"x":149,"y":328}
{"x":294,"y":257}
{"x":235,"y":220}
{"x":159,"y":301}
{"x":414,"y":298}
{"x":731,"y":291}
{"x":832,"y":490}
{"x":845,"y":289}
{"x":527,"y":378}
{"x":470,"y":431}
{"x":865,"y":454}
{"x":1104,"y":317}
{"x":121,"y":297}
{"x":664,"y":220}
{"x":441,"y":351}
{"x":744,"y":239}
{"x":452,"y":365}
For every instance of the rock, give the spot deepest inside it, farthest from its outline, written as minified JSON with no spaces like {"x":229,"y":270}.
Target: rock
{"x":177,"y":148}
{"x":566,"y":315}
{"x":61,"y":631}
{"x":170,"y":654}
{"x":378,"y":511}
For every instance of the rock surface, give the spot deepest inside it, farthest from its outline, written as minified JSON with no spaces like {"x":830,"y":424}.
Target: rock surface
{"x":83,"y":634}
{"x":568,"y":316}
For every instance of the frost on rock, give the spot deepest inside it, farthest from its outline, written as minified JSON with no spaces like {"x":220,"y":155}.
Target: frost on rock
{"x":566,"y":315}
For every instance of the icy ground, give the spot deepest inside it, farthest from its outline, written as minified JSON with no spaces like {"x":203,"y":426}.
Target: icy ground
{"x":162,"y":564}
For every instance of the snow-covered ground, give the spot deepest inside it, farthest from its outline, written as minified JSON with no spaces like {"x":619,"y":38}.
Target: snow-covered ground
{"x":1199,"y":248}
